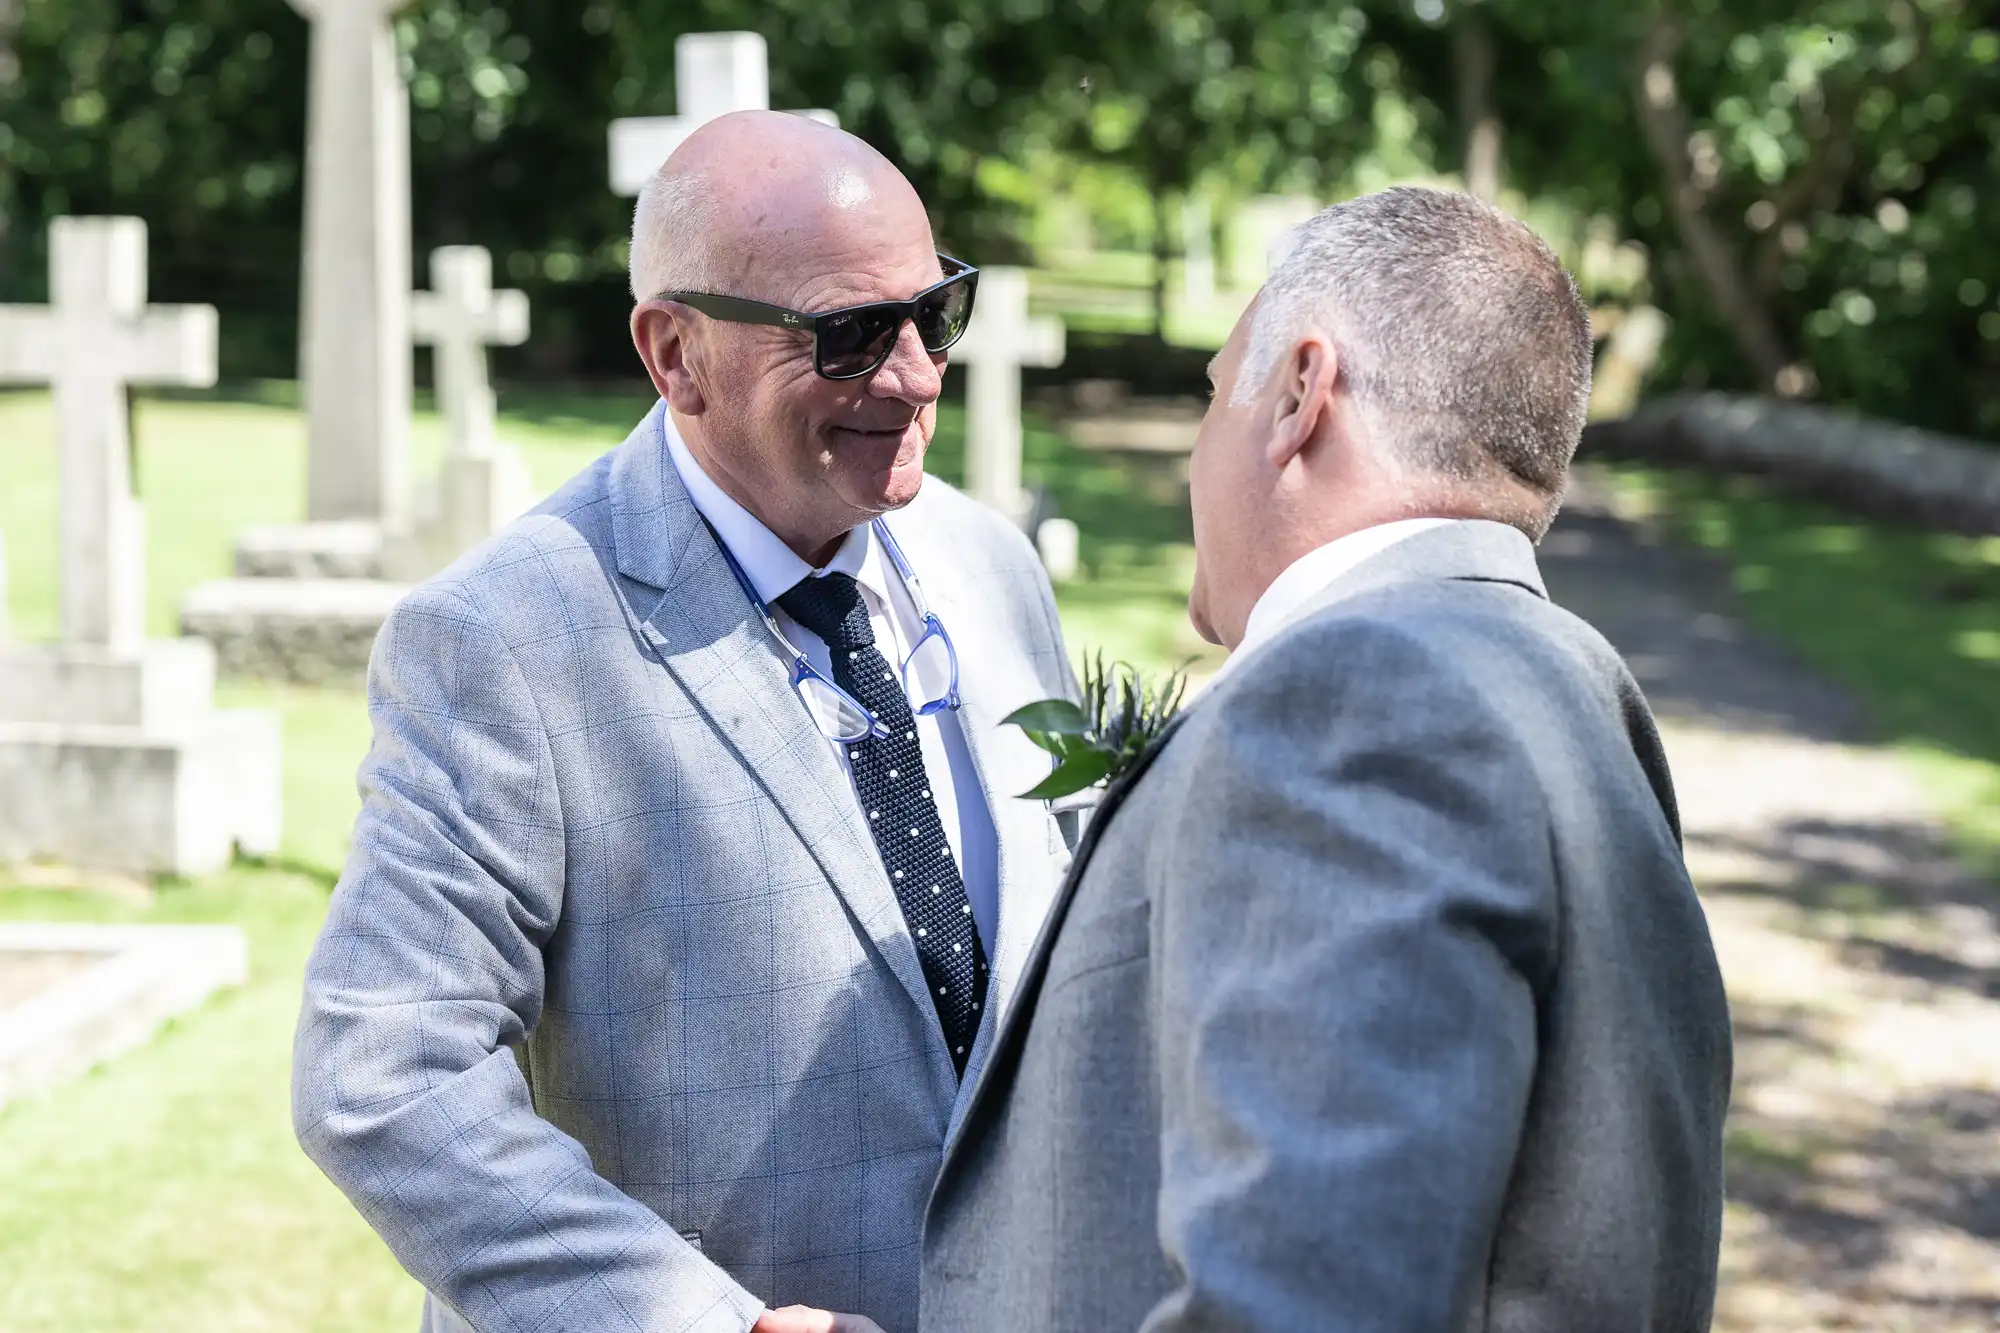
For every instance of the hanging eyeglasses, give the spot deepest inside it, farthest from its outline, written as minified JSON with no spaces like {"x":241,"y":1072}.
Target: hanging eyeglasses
{"x":929,"y":673}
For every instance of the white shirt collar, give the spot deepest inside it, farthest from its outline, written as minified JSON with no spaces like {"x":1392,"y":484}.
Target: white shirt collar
{"x":1315,"y":571}
{"x":772,"y":567}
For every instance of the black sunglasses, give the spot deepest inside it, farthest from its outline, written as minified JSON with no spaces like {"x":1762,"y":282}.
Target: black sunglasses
{"x":855,"y":340}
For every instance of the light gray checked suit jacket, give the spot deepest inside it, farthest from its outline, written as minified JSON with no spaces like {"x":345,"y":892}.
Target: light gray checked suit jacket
{"x":1381,"y":1002}
{"x":615,"y":1023}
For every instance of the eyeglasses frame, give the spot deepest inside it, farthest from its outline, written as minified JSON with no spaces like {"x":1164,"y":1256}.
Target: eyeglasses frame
{"x":742,"y":310}
{"x":803,"y":669}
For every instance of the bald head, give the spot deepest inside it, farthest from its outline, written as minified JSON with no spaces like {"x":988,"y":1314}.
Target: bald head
{"x":784,"y":211}
{"x":749,"y":195}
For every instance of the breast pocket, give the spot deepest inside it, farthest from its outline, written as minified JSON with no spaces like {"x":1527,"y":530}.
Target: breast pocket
{"x":1105,"y":940}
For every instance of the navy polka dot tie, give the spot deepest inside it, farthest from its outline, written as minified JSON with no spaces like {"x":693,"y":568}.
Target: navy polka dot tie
{"x":896,"y":795}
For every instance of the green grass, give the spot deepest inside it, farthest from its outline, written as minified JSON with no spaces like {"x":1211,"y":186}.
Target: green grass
{"x":164,"y":1190}
{"x":1908,"y":620}
{"x":210,"y":465}
{"x":1112,"y":292}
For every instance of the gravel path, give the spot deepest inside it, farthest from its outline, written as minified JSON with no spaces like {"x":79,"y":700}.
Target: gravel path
{"x":1863,"y":964}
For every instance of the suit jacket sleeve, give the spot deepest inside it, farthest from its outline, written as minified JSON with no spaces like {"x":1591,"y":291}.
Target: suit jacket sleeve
{"x":430,"y":964}
{"x":1351,"y":925}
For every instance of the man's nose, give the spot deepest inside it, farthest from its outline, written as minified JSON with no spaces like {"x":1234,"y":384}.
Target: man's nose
{"x":911,"y":374}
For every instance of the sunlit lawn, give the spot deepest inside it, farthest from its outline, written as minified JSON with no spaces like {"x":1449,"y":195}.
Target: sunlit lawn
{"x":1908,"y":620}
{"x":209,"y":468}
{"x":164,"y":1191}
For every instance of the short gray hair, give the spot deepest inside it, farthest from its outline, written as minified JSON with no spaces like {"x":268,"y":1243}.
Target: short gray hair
{"x":671,"y":230}
{"x":1462,"y":338}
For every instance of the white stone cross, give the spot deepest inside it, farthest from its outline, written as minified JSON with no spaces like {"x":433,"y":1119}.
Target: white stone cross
{"x":1197,"y":252}
{"x":1000,"y":341}
{"x":354,"y":335}
{"x":96,"y":337}
{"x":460,"y":316}
{"x":715,"y":73}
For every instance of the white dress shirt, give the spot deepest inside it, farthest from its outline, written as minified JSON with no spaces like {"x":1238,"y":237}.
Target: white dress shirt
{"x":1302,"y":581}
{"x":773,"y":568}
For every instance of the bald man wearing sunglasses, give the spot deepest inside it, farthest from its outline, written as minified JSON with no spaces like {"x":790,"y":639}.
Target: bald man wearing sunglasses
{"x":691,"y":876}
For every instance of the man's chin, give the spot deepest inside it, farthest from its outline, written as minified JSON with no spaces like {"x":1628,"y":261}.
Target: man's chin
{"x":896,"y":478}
{"x":881,"y":492}
{"x":902,"y":485}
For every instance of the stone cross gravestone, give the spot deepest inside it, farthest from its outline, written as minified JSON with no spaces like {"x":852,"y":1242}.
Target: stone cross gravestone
{"x":354,"y":338}
{"x":1257,"y":232}
{"x":1001,"y":340}
{"x":312,"y":595}
{"x":460,"y":317}
{"x":111,"y":756}
{"x":715,"y":73}
{"x":484,"y":484}
{"x":1197,"y":252}
{"x":96,"y":337}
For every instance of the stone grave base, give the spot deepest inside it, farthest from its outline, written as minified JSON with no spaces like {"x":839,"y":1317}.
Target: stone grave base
{"x":311,"y":631}
{"x":178,"y":801}
{"x":472,"y":498}
{"x":160,"y":682}
{"x":72,"y":996}
{"x":343,"y":550}
{"x":116,"y":759}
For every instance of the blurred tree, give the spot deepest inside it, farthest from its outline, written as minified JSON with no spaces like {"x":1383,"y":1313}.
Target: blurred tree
{"x":10,"y":73}
{"x":178,"y":113}
{"x":1817,"y":180}
{"x":1176,"y":90}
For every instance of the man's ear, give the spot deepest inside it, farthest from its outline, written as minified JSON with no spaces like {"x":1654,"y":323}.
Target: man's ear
{"x":658,"y":334}
{"x":1306,"y":381}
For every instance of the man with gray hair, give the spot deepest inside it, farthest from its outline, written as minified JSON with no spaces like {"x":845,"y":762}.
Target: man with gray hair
{"x":690,"y":876}
{"x":1377,"y":997}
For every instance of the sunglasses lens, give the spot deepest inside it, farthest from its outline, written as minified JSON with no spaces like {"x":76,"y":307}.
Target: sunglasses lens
{"x":942,"y":314}
{"x":854,"y":342}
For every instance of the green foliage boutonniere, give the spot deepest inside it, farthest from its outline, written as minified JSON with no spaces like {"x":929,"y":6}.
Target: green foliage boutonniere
{"x":1123,"y":713}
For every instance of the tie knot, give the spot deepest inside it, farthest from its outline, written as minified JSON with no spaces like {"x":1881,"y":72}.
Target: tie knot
{"x":830,"y":606}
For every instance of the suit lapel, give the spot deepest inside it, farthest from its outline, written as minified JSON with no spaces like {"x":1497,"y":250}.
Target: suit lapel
{"x":709,"y":637}
{"x":1019,"y":1015}
{"x":1472,"y":549}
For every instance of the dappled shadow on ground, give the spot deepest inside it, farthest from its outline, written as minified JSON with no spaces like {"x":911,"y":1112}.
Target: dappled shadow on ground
{"x":1862,"y":959}
{"x":1667,"y":610}
{"x":1888,"y":1208}
{"x":1864,"y":1132}
{"x":1859,"y":866}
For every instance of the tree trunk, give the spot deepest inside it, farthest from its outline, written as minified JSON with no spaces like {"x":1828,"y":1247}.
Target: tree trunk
{"x":1664,"y":124}
{"x":1162,"y":251}
{"x":1473,"y":57}
{"x":10,"y":73}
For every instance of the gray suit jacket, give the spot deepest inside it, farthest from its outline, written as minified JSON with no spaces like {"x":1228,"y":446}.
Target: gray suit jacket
{"x":615,"y":1023}
{"x":1382,"y":1002}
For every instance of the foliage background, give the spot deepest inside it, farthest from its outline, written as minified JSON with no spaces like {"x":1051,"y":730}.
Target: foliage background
{"x":1814,"y":184}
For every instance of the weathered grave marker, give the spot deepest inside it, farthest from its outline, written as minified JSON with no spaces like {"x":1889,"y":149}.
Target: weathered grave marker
{"x":354,"y":336}
{"x":484,"y":484}
{"x":96,"y":337}
{"x":110,"y":753}
{"x":1002,"y":339}
{"x":715,"y":73}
